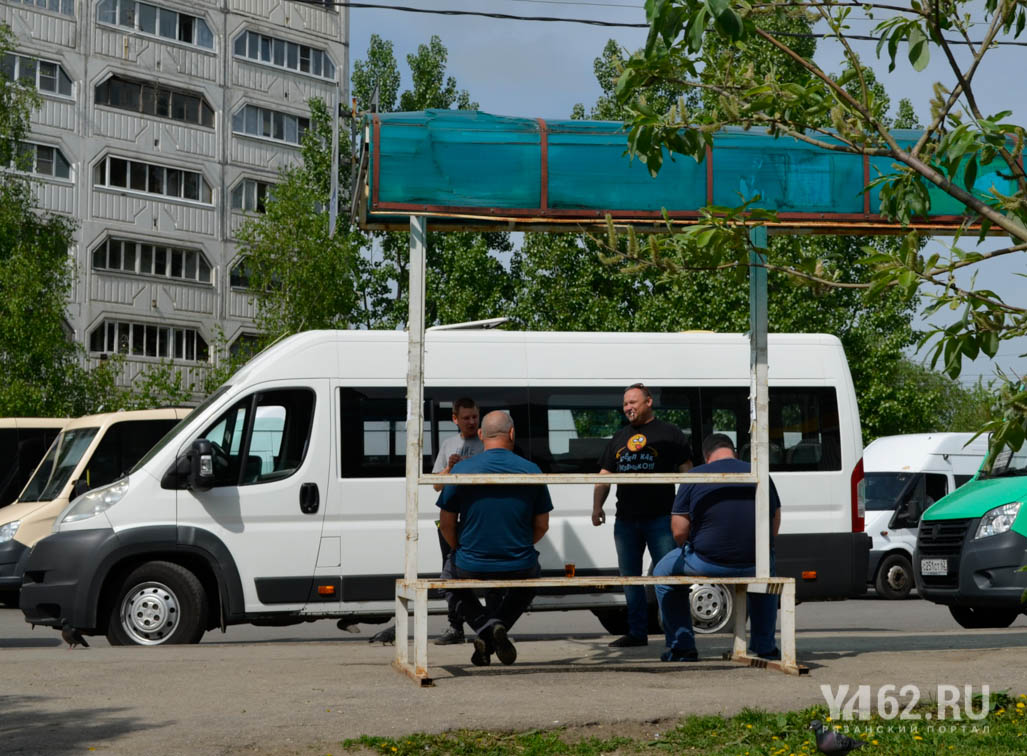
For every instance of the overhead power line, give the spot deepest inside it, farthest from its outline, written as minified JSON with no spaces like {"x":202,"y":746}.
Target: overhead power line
{"x":586,"y":21}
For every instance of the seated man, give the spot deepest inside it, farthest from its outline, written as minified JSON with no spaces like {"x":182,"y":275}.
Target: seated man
{"x":714,"y":525}
{"x":499,"y":527}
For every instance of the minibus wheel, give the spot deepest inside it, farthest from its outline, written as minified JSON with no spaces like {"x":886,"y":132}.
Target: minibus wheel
{"x":976,"y":617}
{"x":711,"y":605}
{"x":894,"y":577}
{"x":159,"y":603}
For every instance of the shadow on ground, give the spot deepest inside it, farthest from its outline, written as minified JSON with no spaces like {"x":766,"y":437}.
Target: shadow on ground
{"x":28,"y":729}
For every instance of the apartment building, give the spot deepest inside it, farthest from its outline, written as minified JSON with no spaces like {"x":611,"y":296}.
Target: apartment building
{"x":164,"y":124}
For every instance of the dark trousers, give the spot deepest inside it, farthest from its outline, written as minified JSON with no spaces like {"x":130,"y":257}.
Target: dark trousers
{"x":502,"y":605}
{"x":454,"y":618}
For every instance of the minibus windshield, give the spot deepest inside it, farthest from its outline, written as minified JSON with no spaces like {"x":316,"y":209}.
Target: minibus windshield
{"x":1007,"y":464}
{"x":166,"y":439}
{"x":884,"y":490}
{"x":58,"y":465}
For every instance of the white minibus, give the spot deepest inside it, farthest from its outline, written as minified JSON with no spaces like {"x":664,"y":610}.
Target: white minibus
{"x":89,"y":452}
{"x":215,"y":526}
{"x":904,"y":475}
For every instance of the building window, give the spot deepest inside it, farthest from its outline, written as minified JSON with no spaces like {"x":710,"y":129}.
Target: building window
{"x":154,"y":100}
{"x":244,"y":347}
{"x":159,"y":22}
{"x":143,"y":258}
{"x":119,"y":173}
{"x":271,"y":124}
{"x":239,"y":275}
{"x":147,"y":340}
{"x":272,"y":51}
{"x":64,"y":7}
{"x":44,"y":75}
{"x":42,"y":160}
{"x":250,"y":195}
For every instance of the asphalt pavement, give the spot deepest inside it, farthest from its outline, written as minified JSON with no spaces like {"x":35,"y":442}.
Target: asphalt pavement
{"x":303,"y":696}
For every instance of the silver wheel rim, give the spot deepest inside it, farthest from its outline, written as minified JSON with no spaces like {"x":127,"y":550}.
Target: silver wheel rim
{"x":897,"y":578}
{"x":711,"y":608}
{"x":150,"y":613}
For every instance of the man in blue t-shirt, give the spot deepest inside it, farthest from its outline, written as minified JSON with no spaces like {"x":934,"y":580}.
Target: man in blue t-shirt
{"x":499,"y":526}
{"x":714,"y":525}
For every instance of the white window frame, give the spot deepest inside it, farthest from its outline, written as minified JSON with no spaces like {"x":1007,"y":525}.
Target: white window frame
{"x":247,"y":195}
{"x":151,"y":170}
{"x":34,"y":170}
{"x":253,"y":45}
{"x":156,"y":251}
{"x":64,"y":7}
{"x":19,"y":77}
{"x":131,"y":21}
{"x":259,"y":115}
{"x":139,"y":334}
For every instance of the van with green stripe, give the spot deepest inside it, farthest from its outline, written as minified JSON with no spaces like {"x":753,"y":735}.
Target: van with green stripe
{"x":972,"y":543}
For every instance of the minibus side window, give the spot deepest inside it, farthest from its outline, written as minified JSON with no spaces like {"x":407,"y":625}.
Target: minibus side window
{"x":572,"y":426}
{"x":263,"y":437}
{"x":804,"y":431}
{"x":961,"y":479}
{"x":120,"y":448}
{"x":9,"y":472}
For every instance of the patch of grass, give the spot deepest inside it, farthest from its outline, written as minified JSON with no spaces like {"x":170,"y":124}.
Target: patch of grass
{"x":749,"y":733}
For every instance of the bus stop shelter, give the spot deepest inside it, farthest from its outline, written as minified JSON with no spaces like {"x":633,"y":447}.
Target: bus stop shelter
{"x":467,"y":170}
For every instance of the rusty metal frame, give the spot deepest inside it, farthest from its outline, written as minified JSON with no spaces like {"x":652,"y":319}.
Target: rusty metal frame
{"x":412,"y":596}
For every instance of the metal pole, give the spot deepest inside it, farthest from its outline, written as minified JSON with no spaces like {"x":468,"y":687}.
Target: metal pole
{"x":333,"y":201}
{"x":415,"y":385}
{"x":758,"y":398}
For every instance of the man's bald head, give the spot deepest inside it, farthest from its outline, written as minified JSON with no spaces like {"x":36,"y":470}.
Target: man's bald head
{"x":497,"y":430}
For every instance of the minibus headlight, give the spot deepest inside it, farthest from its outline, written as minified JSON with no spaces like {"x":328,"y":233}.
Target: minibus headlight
{"x":94,"y":502}
{"x":998,"y":520}
{"x":7,"y":531}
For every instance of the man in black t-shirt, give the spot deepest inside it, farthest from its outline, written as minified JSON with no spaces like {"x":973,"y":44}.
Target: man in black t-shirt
{"x":645,"y":445}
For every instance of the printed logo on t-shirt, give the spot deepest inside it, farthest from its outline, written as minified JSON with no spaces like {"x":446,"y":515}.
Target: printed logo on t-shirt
{"x":637,"y":442}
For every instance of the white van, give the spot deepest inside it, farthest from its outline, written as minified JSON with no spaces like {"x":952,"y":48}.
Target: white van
{"x":903,"y":476}
{"x":215,"y":526}
{"x":88,"y":453}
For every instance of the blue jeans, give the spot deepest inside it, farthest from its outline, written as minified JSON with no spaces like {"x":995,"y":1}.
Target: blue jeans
{"x":631,"y":538}
{"x":677,"y":613}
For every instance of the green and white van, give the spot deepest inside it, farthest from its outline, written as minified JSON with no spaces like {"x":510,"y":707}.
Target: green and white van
{"x":972,"y":543}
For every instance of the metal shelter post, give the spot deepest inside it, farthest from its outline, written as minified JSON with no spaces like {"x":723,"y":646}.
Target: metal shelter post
{"x":415,"y":386}
{"x":758,"y":399}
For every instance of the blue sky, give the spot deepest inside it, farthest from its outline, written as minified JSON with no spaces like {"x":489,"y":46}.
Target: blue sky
{"x":542,"y":69}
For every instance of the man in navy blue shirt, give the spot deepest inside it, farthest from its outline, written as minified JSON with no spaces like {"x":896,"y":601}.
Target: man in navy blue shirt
{"x":499,"y":526}
{"x":714,"y":525}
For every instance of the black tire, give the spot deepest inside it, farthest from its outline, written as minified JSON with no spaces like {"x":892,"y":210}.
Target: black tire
{"x":159,"y":603}
{"x":614,"y":619}
{"x":894,"y":577}
{"x":976,"y":617}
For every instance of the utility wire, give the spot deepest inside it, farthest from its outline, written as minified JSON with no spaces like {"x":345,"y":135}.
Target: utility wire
{"x":586,"y":21}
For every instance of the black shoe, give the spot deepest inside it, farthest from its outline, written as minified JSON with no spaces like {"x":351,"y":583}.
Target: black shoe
{"x":504,"y":647}
{"x":679,"y":655}
{"x":774,"y":655}
{"x":629,"y":641}
{"x":452,"y":637}
{"x":482,"y":656}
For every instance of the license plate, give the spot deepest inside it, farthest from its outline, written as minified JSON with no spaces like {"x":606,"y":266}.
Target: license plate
{"x":934,"y":566}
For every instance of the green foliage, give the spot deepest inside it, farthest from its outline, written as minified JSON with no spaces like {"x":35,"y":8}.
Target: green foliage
{"x":432,"y":88}
{"x":302,"y":276}
{"x":752,"y":731}
{"x":690,"y":42}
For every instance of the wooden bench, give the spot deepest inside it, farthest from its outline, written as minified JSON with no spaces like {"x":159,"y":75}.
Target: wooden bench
{"x":416,"y":592}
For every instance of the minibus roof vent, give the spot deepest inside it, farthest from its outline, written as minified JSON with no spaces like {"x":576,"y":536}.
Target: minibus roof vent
{"x":471,"y":324}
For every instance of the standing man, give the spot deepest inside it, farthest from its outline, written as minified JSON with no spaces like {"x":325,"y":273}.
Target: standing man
{"x":714,"y":525}
{"x":650,"y":445}
{"x":499,"y":527}
{"x":454,"y":449}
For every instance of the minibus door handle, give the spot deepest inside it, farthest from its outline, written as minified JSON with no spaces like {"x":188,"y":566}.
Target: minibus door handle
{"x":310,"y":500}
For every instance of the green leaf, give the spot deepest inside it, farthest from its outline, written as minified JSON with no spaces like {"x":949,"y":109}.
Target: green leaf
{"x":919,"y":50}
{"x":970,"y":174}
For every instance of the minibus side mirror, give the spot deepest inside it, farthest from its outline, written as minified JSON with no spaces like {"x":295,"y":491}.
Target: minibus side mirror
{"x":177,"y":476}
{"x":201,"y":472}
